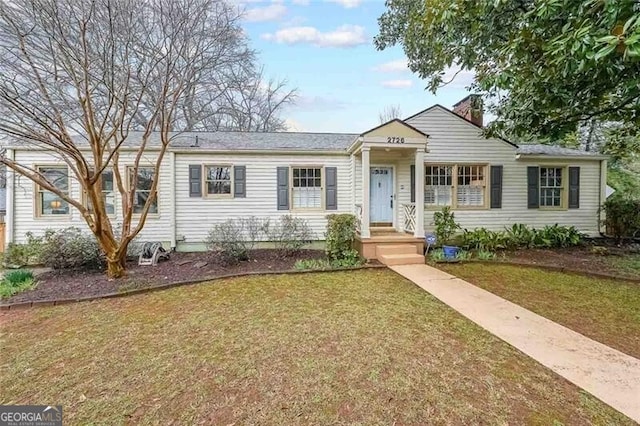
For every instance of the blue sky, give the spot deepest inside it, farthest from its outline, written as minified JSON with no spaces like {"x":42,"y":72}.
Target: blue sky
{"x":325,"y":49}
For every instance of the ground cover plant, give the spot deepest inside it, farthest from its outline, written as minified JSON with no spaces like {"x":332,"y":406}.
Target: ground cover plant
{"x":16,"y":281}
{"x":363,"y":347}
{"x":605,"y":310}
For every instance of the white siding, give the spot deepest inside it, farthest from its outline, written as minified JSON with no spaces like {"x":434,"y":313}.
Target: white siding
{"x":195,"y":216}
{"x":451,"y":139}
{"x":156,"y":227}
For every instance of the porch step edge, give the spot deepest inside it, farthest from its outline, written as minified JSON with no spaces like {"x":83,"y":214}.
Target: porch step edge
{"x":401,"y":259}
{"x":390,"y":249}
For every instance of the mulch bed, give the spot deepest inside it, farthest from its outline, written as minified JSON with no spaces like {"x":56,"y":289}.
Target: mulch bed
{"x":581,"y":259}
{"x":55,"y":285}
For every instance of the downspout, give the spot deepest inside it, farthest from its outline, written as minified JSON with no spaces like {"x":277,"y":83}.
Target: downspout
{"x":602,"y":196}
{"x":172,"y":197}
{"x":10,"y":200}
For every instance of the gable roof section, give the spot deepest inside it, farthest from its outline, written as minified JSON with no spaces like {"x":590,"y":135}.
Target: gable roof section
{"x":458,"y":117}
{"x":390,"y":123}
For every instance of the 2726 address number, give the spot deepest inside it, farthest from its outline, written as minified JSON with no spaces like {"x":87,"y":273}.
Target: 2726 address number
{"x":395,"y":139}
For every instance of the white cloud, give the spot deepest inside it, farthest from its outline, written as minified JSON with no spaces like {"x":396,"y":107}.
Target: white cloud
{"x":301,"y":2}
{"x":397,"y":84}
{"x":319,"y":103}
{"x":293,"y":125}
{"x":347,"y":4}
{"x":399,"y":65}
{"x":343,"y":36}
{"x":457,"y":78}
{"x":273,"y":12}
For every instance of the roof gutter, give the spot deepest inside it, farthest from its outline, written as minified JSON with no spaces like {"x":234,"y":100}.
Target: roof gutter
{"x":561,"y":157}
{"x":254,"y":151}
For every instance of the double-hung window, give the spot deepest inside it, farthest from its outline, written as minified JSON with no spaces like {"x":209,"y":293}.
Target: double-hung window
{"x":438,"y":185}
{"x":47,"y":202}
{"x":455,"y":185}
{"x":142,"y":183}
{"x":218,"y":180}
{"x":470,"y":190}
{"x":306,"y":191}
{"x":108,"y":195}
{"x":551,"y":186}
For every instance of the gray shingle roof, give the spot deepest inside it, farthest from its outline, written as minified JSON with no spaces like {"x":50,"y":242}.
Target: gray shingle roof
{"x":551,"y":150}
{"x":263,"y":141}
{"x":233,"y":141}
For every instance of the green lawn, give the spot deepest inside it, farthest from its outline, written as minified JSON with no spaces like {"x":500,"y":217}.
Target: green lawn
{"x":605,"y":310}
{"x":630,"y":264}
{"x":363,"y":347}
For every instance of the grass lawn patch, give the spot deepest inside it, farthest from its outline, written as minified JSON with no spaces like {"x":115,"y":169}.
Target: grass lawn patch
{"x":365,"y":347}
{"x":605,"y":310}
{"x":629,"y":264}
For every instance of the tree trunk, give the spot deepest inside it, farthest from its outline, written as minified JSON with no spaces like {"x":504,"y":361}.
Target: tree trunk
{"x":116,"y":265}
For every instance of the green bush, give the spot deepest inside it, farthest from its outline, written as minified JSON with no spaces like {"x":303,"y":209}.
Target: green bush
{"x":483,"y":239}
{"x":552,"y":236}
{"x":445,"y":225}
{"x":16,"y":281}
{"x":289,"y":234}
{"x":70,"y":248}
{"x":341,"y":233}
{"x":18,"y":255}
{"x":520,"y":235}
{"x":622,"y":217}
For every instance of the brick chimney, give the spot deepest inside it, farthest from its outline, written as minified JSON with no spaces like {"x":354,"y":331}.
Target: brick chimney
{"x":470,"y":108}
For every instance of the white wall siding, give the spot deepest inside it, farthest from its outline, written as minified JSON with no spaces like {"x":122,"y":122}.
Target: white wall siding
{"x":452,"y":140}
{"x":156,"y":227}
{"x":195,"y":216}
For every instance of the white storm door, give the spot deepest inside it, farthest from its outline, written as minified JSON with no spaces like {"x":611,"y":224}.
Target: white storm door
{"x":381,"y":195}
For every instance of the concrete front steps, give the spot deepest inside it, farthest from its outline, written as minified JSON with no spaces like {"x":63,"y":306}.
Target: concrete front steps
{"x":399,"y":254}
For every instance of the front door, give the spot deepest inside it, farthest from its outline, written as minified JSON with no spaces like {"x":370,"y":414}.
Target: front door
{"x":381,"y":196}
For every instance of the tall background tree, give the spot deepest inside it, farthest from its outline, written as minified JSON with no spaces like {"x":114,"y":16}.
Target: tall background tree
{"x":550,"y":70}
{"x":389,"y":113}
{"x":549,"y":65}
{"x":77,"y":77}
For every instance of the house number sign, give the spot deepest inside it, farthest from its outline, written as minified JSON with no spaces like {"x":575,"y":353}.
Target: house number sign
{"x":395,"y":139}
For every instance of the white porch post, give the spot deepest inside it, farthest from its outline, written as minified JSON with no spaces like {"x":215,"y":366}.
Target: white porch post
{"x":366,"y":177}
{"x":419,"y":163}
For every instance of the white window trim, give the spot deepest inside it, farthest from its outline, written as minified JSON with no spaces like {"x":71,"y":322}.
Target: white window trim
{"x":85,"y":198}
{"x":156,"y":176}
{"x":322,"y":191}
{"x":564,"y":193}
{"x":37,"y":205}
{"x":205,"y":192}
{"x":454,"y":186}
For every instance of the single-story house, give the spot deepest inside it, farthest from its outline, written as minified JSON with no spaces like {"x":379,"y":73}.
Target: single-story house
{"x":393,"y":177}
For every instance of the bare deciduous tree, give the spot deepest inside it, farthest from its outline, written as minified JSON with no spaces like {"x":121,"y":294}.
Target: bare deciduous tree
{"x":77,"y":77}
{"x":389,"y":113}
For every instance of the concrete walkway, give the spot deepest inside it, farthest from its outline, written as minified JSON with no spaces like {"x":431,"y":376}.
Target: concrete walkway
{"x":606,"y":373}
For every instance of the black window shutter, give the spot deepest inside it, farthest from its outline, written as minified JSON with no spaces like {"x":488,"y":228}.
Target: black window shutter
{"x":533,"y":188}
{"x":574,"y":187}
{"x":239,"y":181}
{"x":195,"y":180}
{"x":413,"y":183}
{"x":496,"y":187}
{"x":283,"y":188}
{"x":331,"y":188}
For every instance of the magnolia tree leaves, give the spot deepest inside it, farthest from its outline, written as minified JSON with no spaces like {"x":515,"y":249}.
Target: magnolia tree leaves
{"x":545,"y":67}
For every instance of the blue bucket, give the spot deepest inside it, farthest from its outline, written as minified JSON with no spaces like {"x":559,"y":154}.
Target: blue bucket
{"x":450,"y":252}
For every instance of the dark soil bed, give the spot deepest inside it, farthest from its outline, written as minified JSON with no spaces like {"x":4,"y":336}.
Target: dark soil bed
{"x":582,"y":259}
{"x":55,"y":285}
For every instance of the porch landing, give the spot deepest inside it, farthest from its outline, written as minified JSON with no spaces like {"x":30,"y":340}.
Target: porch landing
{"x":391,"y":247}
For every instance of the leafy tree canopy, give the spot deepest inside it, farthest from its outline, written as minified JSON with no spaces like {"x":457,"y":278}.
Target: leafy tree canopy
{"x":546,"y":66}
